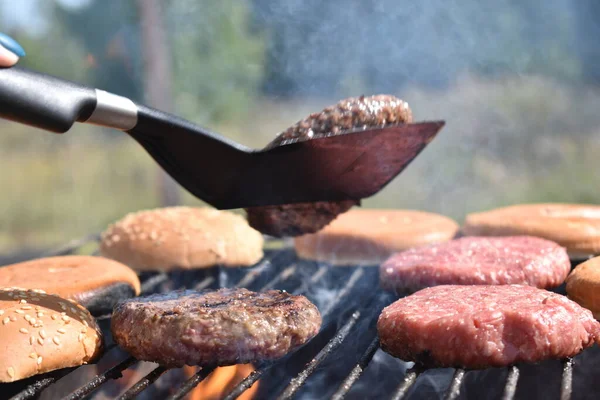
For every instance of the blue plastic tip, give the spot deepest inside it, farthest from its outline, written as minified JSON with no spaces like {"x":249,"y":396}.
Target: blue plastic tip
{"x":11,"y":45}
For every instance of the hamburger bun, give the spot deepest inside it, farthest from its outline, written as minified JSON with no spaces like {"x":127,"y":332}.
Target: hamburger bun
{"x":79,"y":278}
{"x":369,"y":237}
{"x":583,"y":285}
{"x":42,"y":332}
{"x":182,"y":238}
{"x":574,"y":226}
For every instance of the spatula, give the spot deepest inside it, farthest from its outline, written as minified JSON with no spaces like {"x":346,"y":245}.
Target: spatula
{"x":221,"y":172}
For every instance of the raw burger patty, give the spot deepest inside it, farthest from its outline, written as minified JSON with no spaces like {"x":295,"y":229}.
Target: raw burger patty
{"x":485,"y":326}
{"x":211,"y":328}
{"x":352,"y":113}
{"x":478,"y":261}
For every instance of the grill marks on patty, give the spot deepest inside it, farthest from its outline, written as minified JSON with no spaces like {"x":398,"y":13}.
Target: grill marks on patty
{"x":349,"y":114}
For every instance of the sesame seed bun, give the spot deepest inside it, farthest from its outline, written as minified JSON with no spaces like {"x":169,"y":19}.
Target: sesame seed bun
{"x":574,"y":226}
{"x":583,"y":285}
{"x":182,"y":238}
{"x":72,"y":277}
{"x":368,"y":237}
{"x":41,"y":332}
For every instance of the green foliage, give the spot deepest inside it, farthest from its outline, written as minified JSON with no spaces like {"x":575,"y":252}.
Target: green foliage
{"x":218,"y":59}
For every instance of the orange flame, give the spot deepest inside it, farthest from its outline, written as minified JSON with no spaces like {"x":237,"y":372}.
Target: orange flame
{"x":222,"y":381}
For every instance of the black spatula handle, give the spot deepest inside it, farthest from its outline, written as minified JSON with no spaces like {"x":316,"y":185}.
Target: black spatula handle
{"x":43,"y":101}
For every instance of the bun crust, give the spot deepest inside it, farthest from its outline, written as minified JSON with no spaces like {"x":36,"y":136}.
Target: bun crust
{"x":182,"y":238}
{"x":71,"y":277}
{"x":369,"y":236}
{"x":574,"y":226}
{"x":41,"y":332}
{"x":583,"y":285}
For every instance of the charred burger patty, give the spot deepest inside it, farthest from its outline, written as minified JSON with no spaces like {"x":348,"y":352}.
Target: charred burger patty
{"x":349,"y":114}
{"x":214,"y":328}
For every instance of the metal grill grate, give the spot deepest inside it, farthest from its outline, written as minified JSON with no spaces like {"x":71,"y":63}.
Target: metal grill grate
{"x":345,"y":315}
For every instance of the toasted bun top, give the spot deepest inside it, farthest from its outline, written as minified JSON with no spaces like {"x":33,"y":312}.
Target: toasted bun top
{"x":68,"y":276}
{"x":370,"y":235}
{"x":182,"y":237}
{"x":40,"y":332}
{"x":574,"y":226}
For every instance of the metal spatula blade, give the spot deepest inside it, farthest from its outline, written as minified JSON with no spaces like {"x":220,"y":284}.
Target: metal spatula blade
{"x":221,"y":172}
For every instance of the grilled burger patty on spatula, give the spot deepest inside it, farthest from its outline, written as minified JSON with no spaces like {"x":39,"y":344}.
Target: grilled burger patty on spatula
{"x":349,"y":114}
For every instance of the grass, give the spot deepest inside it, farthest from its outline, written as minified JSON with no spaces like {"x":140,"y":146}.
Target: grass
{"x":518,"y":139}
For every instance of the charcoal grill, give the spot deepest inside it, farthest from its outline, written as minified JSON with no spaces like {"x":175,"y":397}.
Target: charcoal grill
{"x":335,"y":364}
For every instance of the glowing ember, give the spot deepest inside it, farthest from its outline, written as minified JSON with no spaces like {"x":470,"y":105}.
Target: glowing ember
{"x":221,"y":382}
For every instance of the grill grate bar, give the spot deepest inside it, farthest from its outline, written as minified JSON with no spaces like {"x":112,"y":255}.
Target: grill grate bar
{"x":154,"y":281}
{"x":282,"y":276}
{"x":511,"y":383}
{"x":255,"y":272}
{"x":454,"y":388}
{"x":409,"y":379}
{"x":356,"y":275}
{"x":357,"y":370}
{"x":143,"y":383}
{"x":113,"y":373}
{"x":566,"y":385}
{"x":36,"y":388}
{"x":247,"y":382}
{"x":191,"y":383}
{"x":297,"y":382}
{"x":314,"y":279}
{"x":206,"y":282}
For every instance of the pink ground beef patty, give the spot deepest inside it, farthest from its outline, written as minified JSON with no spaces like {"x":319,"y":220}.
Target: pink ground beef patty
{"x":478,"y":261}
{"x":485,"y":326}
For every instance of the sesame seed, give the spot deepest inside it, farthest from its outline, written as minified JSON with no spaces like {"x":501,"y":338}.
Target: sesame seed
{"x":40,"y":314}
{"x":1,"y":312}
{"x":13,"y":318}
{"x":32,"y":321}
{"x":32,"y":340}
{"x":20,"y":311}
{"x":61,"y":330}
{"x":85,"y":323}
{"x":23,"y":301}
{"x":26,"y":308}
{"x":5,"y":321}
{"x":63,"y":313}
{"x":66,"y":318}
{"x":11,"y":372}
{"x":43,"y":334}
{"x":80,"y":337}
{"x":56,"y":340}
{"x":39,"y":360}
{"x":27,"y":317}
{"x":84,"y":330}
{"x":54,"y":316}
{"x":23,"y":330}
{"x":33,"y":355}
{"x":40,"y":341}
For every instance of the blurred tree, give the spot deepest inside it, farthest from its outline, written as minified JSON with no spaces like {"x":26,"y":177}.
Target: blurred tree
{"x":108,"y":30}
{"x":218,"y":59}
{"x":157,"y":80}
